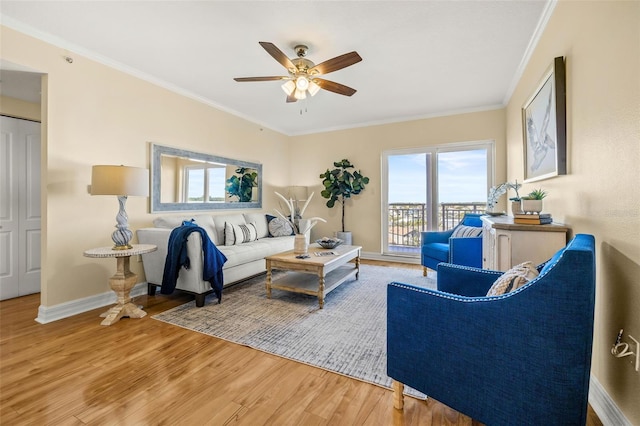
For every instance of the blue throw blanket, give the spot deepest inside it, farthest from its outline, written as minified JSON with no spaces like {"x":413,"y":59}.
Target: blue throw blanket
{"x":177,"y":258}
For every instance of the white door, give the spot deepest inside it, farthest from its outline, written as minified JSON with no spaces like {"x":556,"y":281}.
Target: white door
{"x":19,"y":207}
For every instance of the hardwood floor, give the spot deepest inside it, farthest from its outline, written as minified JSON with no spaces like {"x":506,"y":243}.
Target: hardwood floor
{"x":145,"y":372}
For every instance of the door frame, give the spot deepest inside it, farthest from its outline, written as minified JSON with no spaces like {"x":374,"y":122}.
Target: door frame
{"x":432,"y":180}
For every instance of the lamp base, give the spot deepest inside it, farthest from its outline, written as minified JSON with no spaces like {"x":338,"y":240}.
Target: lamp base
{"x":122,"y":235}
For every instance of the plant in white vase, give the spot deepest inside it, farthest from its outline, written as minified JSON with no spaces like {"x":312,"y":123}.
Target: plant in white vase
{"x":301,"y":227}
{"x":532,"y":202}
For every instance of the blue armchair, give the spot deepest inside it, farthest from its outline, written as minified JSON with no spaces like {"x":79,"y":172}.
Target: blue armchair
{"x":440,"y":247}
{"x":519,"y":358}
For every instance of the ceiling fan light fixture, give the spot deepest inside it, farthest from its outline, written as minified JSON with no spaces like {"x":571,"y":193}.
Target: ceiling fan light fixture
{"x":289,"y":86}
{"x":313,"y":88}
{"x":302,"y":83}
{"x":300,"y":94}
{"x":303,"y":78}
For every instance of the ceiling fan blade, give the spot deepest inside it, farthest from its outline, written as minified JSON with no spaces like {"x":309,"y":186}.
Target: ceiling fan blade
{"x":277,"y":54}
{"x":242,"y":79}
{"x":291,"y":99}
{"x":334,"y":87}
{"x":336,"y":63}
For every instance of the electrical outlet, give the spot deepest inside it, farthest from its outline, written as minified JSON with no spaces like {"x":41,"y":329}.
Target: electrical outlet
{"x":636,"y":351}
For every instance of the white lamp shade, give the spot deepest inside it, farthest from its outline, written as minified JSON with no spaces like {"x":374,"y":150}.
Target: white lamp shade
{"x":299,"y":94}
{"x":299,"y":193}
{"x":289,"y":87}
{"x":313,"y":88}
{"x":119,"y":180}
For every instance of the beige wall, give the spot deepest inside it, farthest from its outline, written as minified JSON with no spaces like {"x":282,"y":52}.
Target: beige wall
{"x":93,"y":114}
{"x":19,"y":109}
{"x":364,"y":147}
{"x":97,"y":115}
{"x":600,"y":195}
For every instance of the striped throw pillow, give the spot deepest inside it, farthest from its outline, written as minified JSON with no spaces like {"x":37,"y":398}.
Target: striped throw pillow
{"x":239,"y":234}
{"x":466,"y":231}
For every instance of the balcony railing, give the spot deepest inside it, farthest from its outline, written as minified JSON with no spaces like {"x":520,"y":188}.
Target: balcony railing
{"x":407,"y":220}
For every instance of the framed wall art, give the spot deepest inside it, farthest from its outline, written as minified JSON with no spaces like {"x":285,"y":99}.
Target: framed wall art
{"x":544,"y":122}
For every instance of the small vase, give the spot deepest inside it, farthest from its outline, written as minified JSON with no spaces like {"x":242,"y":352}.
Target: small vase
{"x":301,"y":244}
{"x":516,"y":207}
{"x":531,"y":206}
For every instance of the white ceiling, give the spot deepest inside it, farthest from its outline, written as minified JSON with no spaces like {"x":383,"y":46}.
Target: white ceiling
{"x":420,"y":58}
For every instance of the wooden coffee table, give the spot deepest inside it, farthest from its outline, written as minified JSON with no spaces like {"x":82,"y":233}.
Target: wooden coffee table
{"x":315,"y":275}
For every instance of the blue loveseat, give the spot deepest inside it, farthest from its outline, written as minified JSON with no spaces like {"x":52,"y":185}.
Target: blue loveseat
{"x":519,"y":358}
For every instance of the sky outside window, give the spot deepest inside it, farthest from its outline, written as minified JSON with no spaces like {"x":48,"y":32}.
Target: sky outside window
{"x":462,"y":177}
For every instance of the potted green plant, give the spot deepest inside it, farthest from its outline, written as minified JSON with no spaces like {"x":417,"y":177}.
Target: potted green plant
{"x":340,"y":184}
{"x":242,"y":186}
{"x":532,"y":202}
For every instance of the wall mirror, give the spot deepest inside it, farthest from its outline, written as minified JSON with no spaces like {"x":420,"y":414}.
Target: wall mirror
{"x":186,"y":180}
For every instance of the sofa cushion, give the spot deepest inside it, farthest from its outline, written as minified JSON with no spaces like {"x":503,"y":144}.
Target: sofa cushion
{"x":439,"y":251}
{"x":514,"y":278}
{"x":278,"y":227}
{"x":466,"y":231}
{"x":204,"y":221}
{"x":260,"y":221}
{"x":169,"y":222}
{"x":256,"y":250}
{"x":239,"y":234}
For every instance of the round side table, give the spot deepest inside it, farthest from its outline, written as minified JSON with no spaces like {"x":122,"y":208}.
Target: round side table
{"x":123,"y":281}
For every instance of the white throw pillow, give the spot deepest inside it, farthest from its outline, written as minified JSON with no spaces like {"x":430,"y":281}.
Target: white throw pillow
{"x":239,"y":234}
{"x":514,"y":278}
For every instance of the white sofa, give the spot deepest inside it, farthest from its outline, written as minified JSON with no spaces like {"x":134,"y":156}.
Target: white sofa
{"x":243,"y":260}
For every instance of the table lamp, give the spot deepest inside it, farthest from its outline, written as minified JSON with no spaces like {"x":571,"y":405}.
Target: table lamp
{"x":298,"y":193}
{"x":121,"y":181}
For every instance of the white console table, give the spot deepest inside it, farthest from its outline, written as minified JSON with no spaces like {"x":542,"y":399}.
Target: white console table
{"x":506,"y":244}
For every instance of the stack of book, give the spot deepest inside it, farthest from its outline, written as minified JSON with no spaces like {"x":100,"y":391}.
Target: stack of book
{"x":532,"y":218}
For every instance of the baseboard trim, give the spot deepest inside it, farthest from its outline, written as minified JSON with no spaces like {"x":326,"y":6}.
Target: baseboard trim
{"x":390,"y":258}
{"x":606,"y":409}
{"x":47,"y":314}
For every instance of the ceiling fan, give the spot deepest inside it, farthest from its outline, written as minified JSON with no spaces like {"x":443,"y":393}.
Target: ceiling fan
{"x":303,"y":74}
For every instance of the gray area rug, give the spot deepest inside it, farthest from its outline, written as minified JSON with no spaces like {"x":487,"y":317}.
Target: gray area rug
{"x":348,"y":336}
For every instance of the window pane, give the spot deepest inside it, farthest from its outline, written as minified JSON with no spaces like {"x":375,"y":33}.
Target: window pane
{"x":407,"y":195}
{"x":462,"y":185}
{"x":462,"y":176}
{"x":195,"y":185}
{"x":216,"y":185}
{"x":407,"y":178}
